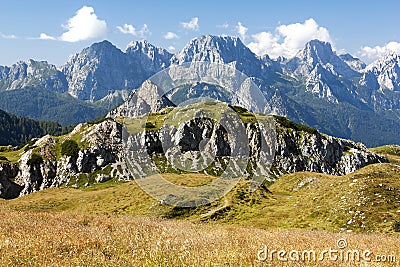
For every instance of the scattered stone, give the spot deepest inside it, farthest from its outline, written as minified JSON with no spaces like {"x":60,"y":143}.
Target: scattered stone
{"x":101,"y":178}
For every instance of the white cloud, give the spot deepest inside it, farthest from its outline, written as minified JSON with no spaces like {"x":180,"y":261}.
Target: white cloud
{"x":370,"y":54}
{"x":193,"y":24}
{"x":84,"y":25}
{"x":6,"y":36}
{"x":171,"y":48}
{"x":127,"y":29}
{"x":171,"y":35}
{"x":242,"y":30}
{"x":130,"y":29}
{"x":223,"y":26}
{"x":44,"y":36}
{"x":287,"y":40}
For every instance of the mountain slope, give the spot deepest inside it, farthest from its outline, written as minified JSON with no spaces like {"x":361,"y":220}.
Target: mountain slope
{"x":46,"y":105}
{"x":357,"y":202}
{"x":18,"y":130}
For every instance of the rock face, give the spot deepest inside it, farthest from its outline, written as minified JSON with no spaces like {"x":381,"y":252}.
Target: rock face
{"x":314,"y":152}
{"x":96,"y":70}
{"x":146,"y":60}
{"x":102,"y":157}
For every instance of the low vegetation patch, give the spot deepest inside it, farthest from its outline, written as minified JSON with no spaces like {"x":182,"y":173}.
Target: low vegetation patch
{"x":70,"y":148}
{"x":35,"y":159}
{"x":295,"y":126}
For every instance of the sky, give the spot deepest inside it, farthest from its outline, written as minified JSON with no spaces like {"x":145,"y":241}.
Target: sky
{"x":54,"y":30}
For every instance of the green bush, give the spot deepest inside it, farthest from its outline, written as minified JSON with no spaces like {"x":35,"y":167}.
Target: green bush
{"x":3,"y":158}
{"x":149,"y":125}
{"x":69,"y":148}
{"x":396,"y":226}
{"x":35,"y":159}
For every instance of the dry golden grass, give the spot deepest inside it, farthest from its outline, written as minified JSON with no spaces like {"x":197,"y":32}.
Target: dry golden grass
{"x":120,"y":225}
{"x":189,"y":179}
{"x":64,"y":239}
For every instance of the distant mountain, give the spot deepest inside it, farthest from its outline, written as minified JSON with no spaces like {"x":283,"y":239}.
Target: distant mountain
{"x":16,"y":130}
{"x":32,"y":73}
{"x":354,"y":63}
{"x":95,"y":71}
{"x":337,"y":94}
{"x":145,"y":60}
{"x":102,"y":68}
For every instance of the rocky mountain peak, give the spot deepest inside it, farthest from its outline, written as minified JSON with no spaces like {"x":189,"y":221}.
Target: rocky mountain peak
{"x":354,"y":63}
{"x":31,"y":73}
{"x":146,"y":57}
{"x":318,"y":52}
{"x":217,"y":49}
{"x":94,"y":71}
{"x":387,"y":70}
{"x":146,"y":48}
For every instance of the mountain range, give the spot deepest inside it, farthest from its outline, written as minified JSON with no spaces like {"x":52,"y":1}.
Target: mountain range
{"x":336,"y":94}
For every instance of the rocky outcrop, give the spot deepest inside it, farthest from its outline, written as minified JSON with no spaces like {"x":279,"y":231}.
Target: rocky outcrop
{"x":303,"y":151}
{"x":148,"y":98}
{"x":294,"y":149}
{"x":192,"y":146}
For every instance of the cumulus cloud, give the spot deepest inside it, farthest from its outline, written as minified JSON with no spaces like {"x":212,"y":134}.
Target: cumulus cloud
{"x":242,"y":30}
{"x":130,"y":29}
{"x":287,"y":40}
{"x":193,"y":24}
{"x":171,"y":35}
{"x":127,"y":29}
{"x":83,"y":26}
{"x":370,"y":54}
{"x":171,"y":48}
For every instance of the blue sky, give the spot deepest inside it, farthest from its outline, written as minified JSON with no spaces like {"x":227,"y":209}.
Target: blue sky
{"x":54,"y":30}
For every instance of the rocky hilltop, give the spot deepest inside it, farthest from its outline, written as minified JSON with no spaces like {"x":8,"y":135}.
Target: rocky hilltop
{"x":100,"y":156}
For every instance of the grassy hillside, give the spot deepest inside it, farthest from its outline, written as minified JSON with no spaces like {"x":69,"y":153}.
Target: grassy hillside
{"x":367,"y":200}
{"x":118,"y":224}
{"x":392,"y":152}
